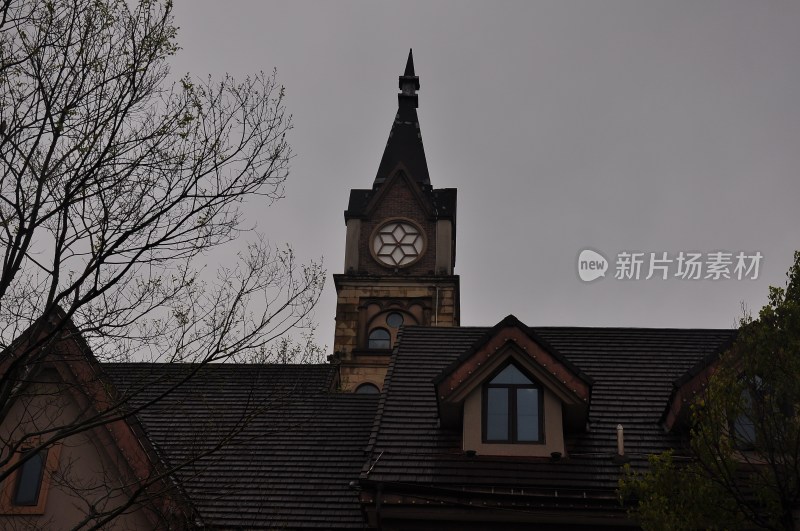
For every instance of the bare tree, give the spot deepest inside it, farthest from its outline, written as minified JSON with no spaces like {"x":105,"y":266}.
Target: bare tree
{"x":115,"y":183}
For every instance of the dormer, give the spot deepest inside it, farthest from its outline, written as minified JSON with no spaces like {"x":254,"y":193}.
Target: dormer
{"x":685,"y":390}
{"x":691,"y":385}
{"x":512,"y":394}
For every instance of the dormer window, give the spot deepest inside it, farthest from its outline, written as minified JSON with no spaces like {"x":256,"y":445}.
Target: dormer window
{"x":512,"y":408}
{"x":743,"y":426}
{"x":749,"y":408}
{"x":511,"y":394}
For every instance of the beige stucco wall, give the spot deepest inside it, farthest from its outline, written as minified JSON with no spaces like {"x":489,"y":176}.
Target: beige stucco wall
{"x":553,"y":429}
{"x":89,"y":471}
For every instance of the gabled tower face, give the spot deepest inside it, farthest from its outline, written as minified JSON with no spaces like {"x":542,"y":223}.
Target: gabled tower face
{"x":399,"y":253}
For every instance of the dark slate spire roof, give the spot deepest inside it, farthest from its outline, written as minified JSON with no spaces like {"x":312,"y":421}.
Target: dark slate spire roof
{"x":405,"y":140}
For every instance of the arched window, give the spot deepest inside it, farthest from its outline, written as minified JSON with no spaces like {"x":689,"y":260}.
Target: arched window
{"x":379,"y":338}
{"x":389,"y":316}
{"x":512,"y":408}
{"x":368,"y":389}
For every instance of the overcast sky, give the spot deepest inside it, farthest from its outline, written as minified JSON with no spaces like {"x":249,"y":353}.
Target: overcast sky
{"x":611,"y":125}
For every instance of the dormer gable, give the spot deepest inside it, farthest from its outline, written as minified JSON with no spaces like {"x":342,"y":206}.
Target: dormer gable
{"x":511,"y":340}
{"x":688,"y":387}
{"x":564,"y":390}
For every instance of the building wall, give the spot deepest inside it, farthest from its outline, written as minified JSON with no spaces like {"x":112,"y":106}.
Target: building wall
{"x":425,"y":291}
{"x":89,"y":469}
{"x":433,"y":299}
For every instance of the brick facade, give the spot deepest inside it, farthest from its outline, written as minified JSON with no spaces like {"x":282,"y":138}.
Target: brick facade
{"x":398,"y":202}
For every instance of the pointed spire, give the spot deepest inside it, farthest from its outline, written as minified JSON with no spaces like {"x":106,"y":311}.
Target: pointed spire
{"x":408,"y":82}
{"x":409,"y":64}
{"x":405,"y":141}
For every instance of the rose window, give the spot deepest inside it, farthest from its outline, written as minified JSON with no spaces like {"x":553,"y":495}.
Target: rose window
{"x":398,"y":243}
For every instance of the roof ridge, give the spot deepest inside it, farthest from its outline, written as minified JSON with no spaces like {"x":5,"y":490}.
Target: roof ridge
{"x":558,"y":327}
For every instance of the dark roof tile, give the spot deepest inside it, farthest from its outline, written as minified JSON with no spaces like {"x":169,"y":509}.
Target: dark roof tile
{"x":632,"y":372}
{"x":288,"y":447}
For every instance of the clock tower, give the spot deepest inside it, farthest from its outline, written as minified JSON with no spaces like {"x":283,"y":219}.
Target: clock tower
{"x":400,"y":251}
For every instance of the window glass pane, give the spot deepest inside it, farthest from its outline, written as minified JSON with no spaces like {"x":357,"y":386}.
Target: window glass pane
{"x":368,"y":389}
{"x":379,"y":338}
{"x":745,"y":432}
{"x":744,"y":429}
{"x":511,"y":375}
{"x":394,"y":319}
{"x":527,"y":414}
{"x":30,"y":480}
{"x":497,"y":415}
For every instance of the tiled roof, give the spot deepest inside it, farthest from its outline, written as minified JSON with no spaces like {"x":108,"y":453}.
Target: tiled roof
{"x":632,"y":370}
{"x":284,"y":448}
{"x":294,"y":447}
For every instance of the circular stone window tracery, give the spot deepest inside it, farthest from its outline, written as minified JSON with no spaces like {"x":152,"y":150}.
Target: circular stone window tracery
{"x":398,"y":243}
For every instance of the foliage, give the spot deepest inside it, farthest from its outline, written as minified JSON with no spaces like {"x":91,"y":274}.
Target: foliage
{"x":117,"y":186}
{"x":677,"y":497}
{"x":745,"y":436}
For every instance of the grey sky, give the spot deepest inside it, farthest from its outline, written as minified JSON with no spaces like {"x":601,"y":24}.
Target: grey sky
{"x":613,"y":125}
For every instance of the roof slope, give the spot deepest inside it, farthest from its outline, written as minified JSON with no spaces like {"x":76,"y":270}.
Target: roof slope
{"x":268,"y":445}
{"x":632,"y":371}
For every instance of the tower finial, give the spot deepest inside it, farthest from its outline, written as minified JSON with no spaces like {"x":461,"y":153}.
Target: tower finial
{"x":409,"y":64}
{"x":409,"y":82}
